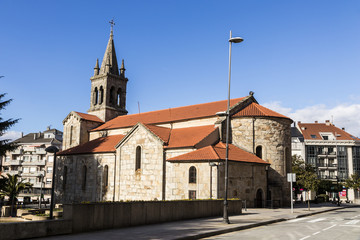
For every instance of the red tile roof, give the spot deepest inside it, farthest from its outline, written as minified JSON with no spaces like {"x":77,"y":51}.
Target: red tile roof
{"x":217,"y":152}
{"x":308,"y":129}
{"x":186,"y":137}
{"x":182,"y":137}
{"x":162,"y":132}
{"x":89,"y":117}
{"x":256,"y":110}
{"x":169,"y":115}
{"x":99,"y":145}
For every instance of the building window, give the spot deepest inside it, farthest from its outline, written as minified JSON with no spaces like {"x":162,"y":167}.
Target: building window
{"x":48,"y":181}
{"x":259,"y":151}
{"x":313,"y":136}
{"x":106,"y":175}
{"x":356,"y":159}
{"x":84,"y":173}
{"x":101,"y":95}
{"x":325,"y":137}
{"x":50,"y":158}
{"x":192,"y":194}
{"x":65,"y":177}
{"x":311,"y":155}
{"x":71,"y":134}
{"x":138,"y":158}
{"x":49,"y":170}
{"x":96,"y":96}
{"x":342,"y":162}
{"x":118,"y":97}
{"x":192,"y":174}
{"x":112,"y":93}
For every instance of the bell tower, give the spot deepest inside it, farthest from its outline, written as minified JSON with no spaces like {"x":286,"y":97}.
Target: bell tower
{"x":108,"y":85}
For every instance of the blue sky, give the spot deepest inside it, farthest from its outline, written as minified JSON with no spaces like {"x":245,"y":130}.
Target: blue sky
{"x":301,"y":58}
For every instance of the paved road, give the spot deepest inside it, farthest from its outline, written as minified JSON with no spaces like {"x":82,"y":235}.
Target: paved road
{"x":340,"y":224}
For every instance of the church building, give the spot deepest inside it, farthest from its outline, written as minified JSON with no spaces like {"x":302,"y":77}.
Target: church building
{"x":170,"y":154}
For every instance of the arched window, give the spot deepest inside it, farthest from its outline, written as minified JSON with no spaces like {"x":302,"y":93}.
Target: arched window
{"x":192,"y":174}
{"x":259,"y":151}
{"x":118,"y":97}
{"x":138,"y":158}
{"x":96,"y":96}
{"x":106,"y":176}
{"x":65,"y":177}
{"x":112,"y":95}
{"x":101,"y":95}
{"x":84,"y":172}
{"x":71,"y":134}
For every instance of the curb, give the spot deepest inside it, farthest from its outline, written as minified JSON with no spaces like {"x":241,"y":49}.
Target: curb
{"x":253,"y":225}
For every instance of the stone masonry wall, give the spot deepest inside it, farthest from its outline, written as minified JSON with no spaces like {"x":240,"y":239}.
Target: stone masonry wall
{"x":95,"y":187}
{"x":274,"y":136}
{"x":145,"y":183}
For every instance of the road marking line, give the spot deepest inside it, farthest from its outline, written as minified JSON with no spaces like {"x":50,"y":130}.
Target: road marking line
{"x":316,"y":233}
{"x":304,"y":238}
{"x":350,"y":226}
{"x":329,"y":227}
{"x":296,"y":220}
{"x":316,"y":220}
{"x":353,"y":222}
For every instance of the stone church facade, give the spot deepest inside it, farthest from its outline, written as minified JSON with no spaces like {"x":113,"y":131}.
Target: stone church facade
{"x":170,"y":154}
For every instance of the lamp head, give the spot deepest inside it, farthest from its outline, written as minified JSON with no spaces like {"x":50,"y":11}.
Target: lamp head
{"x":236,"y":40}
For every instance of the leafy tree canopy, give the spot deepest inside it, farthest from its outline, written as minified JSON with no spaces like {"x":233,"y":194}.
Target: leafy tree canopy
{"x":353,"y":182}
{"x":5,"y":144}
{"x":306,"y":177}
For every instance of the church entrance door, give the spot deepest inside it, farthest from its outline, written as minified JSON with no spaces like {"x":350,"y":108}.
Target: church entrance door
{"x":259,"y":199}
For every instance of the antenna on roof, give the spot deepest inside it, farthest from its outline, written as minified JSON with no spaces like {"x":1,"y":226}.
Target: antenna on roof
{"x":139,"y":106}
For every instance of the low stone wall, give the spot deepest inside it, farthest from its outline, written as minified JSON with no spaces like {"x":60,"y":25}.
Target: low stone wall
{"x":25,"y":230}
{"x":96,"y":216}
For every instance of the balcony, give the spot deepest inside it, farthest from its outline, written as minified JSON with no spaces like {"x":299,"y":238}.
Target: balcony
{"x":40,"y":151}
{"x":12,"y":172}
{"x":34,"y":163}
{"x":33,"y":174}
{"x":18,"y":151}
{"x":38,"y":185}
{"x":12,"y":162}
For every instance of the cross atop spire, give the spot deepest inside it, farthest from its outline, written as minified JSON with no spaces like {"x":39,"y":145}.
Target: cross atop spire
{"x":112,"y":23}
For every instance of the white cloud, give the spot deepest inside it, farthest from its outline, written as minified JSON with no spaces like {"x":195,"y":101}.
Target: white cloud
{"x":342,"y":115}
{"x":12,"y":135}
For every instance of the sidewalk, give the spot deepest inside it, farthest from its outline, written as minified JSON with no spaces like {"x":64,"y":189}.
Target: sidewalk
{"x":206,"y":227}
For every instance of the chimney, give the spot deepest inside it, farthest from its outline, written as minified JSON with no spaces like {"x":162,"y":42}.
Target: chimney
{"x":22,"y":134}
{"x":299,"y":122}
{"x":327,"y":122}
{"x":35,"y":135}
{"x":316,"y":121}
{"x":343,"y":129}
{"x":48,"y":128}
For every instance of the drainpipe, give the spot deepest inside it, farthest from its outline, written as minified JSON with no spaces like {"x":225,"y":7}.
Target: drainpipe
{"x":164,"y":176}
{"x":253,"y":132}
{"x":114,"y":177}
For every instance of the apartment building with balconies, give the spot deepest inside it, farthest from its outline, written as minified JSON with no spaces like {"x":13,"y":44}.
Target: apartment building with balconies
{"x":32,"y":163}
{"x":332,"y":151}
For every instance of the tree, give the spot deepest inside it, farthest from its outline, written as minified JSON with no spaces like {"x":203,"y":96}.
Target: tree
{"x":306,"y":176}
{"x":11,"y":187}
{"x":5,"y":144}
{"x":353,"y":182}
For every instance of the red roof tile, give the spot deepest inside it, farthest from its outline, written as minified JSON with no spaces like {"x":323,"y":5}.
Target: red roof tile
{"x":256,"y":110}
{"x":89,"y":117}
{"x":169,"y":115}
{"x":162,"y":132}
{"x":217,"y":152}
{"x":99,"y":145}
{"x":308,"y":129}
{"x":186,"y":137}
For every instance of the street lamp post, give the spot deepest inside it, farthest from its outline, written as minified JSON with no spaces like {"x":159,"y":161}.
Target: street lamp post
{"x":226,"y":217}
{"x":41,"y":181}
{"x":54,"y":150}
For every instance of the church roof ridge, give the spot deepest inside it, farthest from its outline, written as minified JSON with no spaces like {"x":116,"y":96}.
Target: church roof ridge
{"x":201,"y":110}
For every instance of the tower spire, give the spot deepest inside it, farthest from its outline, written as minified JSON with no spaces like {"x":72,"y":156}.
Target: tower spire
{"x":110,"y":53}
{"x":96,"y":68}
{"x":122,"y":69}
